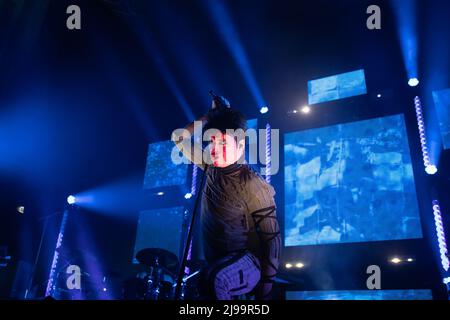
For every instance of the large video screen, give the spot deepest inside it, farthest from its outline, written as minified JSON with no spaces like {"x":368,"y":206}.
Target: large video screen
{"x":160,"y":170}
{"x":159,"y":228}
{"x":350,"y":182}
{"x":420,"y":294}
{"x":337,"y":87}
{"x":442,"y":102}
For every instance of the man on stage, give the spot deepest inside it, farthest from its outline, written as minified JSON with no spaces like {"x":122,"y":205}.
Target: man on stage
{"x":240,"y":231}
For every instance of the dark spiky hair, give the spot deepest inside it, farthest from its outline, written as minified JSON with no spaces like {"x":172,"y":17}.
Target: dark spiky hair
{"x":225,"y":118}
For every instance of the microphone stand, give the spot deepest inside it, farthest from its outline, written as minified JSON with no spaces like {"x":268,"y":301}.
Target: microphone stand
{"x":218,"y":102}
{"x":189,"y":238}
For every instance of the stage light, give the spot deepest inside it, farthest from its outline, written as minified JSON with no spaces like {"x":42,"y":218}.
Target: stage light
{"x":295,"y":111}
{"x":21,"y":209}
{"x":406,"y":13}
{"x":160,"y":193}
{"x":306,"y":109}
{"x":188,"y":195}
{"x":54,"y":267}
{"x":396,"y":260}
{"x":412,"y":82}
{"x":379,"y":95}
{"x":431,"y":169}
{"x":264,"y":110}
{"x":104,"y":289}
{"x":440,"y":233}
{"x":71,"y":199}
{"x":268,"y":153}
{"x":446,"y":280}
{"x":299,"y":265}
{"x":222,"y":20}
{"x":410,"y":260}
{"x":288,"y":266}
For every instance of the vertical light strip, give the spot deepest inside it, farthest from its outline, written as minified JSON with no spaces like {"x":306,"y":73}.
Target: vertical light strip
{"x":268,"y":153}
{"x":51,"y":278}
{"x":429,"y":167}
{"x":194,"y":179}
{"x":440,"y":235}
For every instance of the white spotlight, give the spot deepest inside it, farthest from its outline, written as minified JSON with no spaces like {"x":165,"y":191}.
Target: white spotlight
{"x":160,"y":193}
{"x":299,"y":265}
{"x":264,"y":109}
{"x":412,"y":82}
{"x":21,"y":209}
{"x":288,"y":266}
{"x":396,"y":260}
{"x":71,"y":199}
{"x":379,"y":95}
{"x":306,"y":109}
{"x":431,"y":169}
{"x":188,"y":195}
{"x":410,"y":260}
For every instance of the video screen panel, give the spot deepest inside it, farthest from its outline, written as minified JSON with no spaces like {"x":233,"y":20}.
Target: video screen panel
{"x":159,"y":228}
{"x":350,"y":182}
{"x":442,"y":103}
{"x":160,"y":171}
{"x":336,"y":87}
{"x":420,"y":294}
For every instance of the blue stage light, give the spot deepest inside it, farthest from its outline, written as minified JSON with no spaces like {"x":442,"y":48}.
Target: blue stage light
{"x":406,"y":18}
{"x":221,"y":18}
{"x":268,"y":153}
{"x":430,"y":168}
{"x":264,"y":110}
{"x":71,"y":199}
{"x":440,"y":233}
{"x":188,"y":195}
{"x":412,"y":82}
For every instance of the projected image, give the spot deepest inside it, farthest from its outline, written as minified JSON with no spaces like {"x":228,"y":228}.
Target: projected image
{"x":360,"y":295}
{"x":350,"y":183}
{"x":160,"y":171}
{"x":337,"y":87}
{"x":159,"y":228}
{"x":442,"y":102}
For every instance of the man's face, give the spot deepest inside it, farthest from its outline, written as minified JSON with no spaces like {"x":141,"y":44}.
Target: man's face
{"x":224,"y":150}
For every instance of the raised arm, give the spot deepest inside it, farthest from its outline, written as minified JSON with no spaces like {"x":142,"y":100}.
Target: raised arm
{"x":184,"y":140}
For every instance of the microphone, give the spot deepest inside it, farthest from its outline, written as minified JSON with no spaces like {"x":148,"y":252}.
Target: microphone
{"x":219,"y":102}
